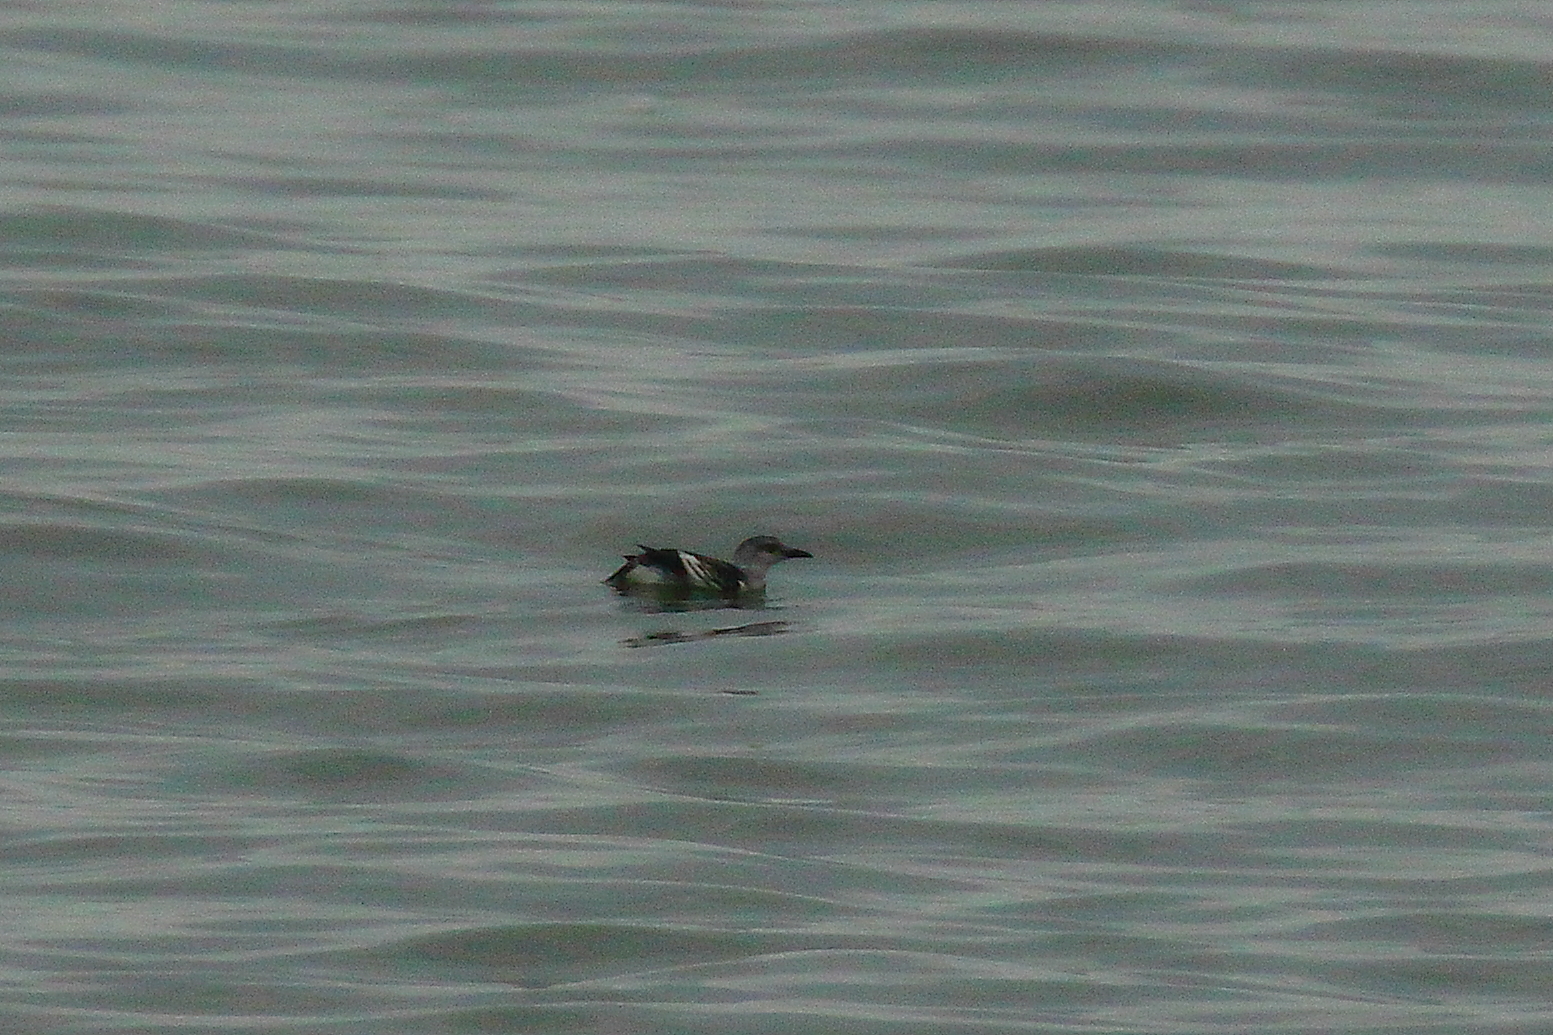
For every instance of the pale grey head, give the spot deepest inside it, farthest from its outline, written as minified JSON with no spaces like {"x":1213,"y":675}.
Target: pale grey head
{"x":758,"y":553}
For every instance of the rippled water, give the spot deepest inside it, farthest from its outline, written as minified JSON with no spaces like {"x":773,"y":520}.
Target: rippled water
{"x":1163,"y":389}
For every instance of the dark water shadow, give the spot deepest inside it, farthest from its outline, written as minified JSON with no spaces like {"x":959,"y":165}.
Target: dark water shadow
{"x":775,"y":628}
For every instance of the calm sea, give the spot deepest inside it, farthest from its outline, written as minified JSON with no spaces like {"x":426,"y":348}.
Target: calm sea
{"x":1165,"y":391}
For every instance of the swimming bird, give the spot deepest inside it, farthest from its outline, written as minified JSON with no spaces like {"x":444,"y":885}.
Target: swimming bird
{"x":681,"y":571}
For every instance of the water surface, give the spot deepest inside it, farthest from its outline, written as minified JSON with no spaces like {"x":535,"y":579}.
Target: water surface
{"x":1163,"y":390}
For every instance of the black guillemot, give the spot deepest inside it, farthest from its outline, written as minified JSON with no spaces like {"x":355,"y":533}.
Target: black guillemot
{"x":681,"y":571}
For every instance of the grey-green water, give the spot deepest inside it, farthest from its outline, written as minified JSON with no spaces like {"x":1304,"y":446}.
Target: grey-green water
{"x":1164,"y":391}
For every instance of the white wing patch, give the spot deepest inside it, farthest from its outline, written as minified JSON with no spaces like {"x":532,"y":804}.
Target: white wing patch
{"x":697,"y":571}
